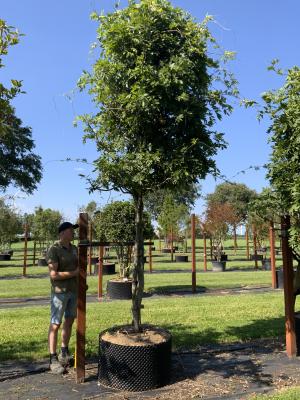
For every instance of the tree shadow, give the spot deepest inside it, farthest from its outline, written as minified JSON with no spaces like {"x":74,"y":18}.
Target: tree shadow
{"x":171,"y":290}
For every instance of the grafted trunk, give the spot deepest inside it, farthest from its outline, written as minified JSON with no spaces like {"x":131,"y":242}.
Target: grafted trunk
{"x":138,"y":272}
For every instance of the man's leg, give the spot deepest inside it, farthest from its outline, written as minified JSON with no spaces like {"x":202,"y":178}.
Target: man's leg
{"x":58,"y":305}
{"x":70,"y":314}
{"x":66,"y":331}
{"x":52,"y":337}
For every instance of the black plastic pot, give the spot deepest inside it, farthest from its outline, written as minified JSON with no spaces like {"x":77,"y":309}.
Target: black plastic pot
{"x":5,"y":257}
{"x":218,"y":266}
{"x":175,"y":248}
{"x":94,"y":260}
{"x":257,"y":257}
{"x":107,"y":269}
{"x":279,"y":278}
{"x":42,"y":262}
{"x":121,"y":290}
{"x":297,"y":331}
{"x":181,"y":258}
{"x":266,"y":264}
{"x":153,"y":248}
{"x":166,"y":250}
{"x":145,"y":259}
{"x":134,"y":368}
{"x":224,"y":257}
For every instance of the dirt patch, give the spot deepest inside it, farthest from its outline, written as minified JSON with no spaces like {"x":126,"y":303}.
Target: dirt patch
{"x":126,"y":336}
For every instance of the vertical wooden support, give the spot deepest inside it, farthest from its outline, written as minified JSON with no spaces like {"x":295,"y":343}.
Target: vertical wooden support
{"x":34,"y":253}
{"x":211,"y":248}
{"x":255,"y":246}
{"x":288,"y":274}
{"x":247,"y":243}
{"x":25,"y":249}
{"x":172,"y":247}
{"x":150,"y":258}
{"x":193,"y":235}
{"x":100,"y":273}
{"x":81,"y":306}
{"x":90,"y":247}
{"x":204,"y":251}
{"x":159,"y":244}
{"x":272,"y":254}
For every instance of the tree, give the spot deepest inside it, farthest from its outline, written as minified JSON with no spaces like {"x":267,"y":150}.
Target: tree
{"x":116,"y":223}
{"x":45,"y":225}
{"x":18,"y":164}
{"x":153,"y":88}
{"x":238,"y":195}
{"x":218,"y":217}
{"x":10,"y":225}
{"x":282,"y":108}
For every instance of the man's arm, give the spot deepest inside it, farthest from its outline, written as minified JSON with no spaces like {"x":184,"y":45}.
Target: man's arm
{"x":59,"y":276}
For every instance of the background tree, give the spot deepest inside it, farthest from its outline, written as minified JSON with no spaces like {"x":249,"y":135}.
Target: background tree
{"x":18,"y":164}
{"x":282,"y":108}
{"x":116,"y":223}
{"x":238,"y":196}
{"x":10,"y":225}
{"x":153,"y":87}
{"x":45,"y":225}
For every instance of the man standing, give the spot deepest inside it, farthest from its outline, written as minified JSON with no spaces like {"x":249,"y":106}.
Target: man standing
{"x":63,"y":268}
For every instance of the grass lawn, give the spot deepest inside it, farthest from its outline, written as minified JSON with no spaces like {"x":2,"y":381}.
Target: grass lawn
{"x":285,"y":394}
{"x":192,"y":320}
{"x":154,"y":283}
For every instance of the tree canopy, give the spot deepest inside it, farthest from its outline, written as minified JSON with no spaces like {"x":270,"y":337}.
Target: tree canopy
{"x":45,"y":225}
{"x":18,"y":164}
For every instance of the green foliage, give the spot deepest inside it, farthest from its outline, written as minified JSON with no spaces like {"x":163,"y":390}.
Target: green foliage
{"x":159,"y":91}
{"x":238,"y":195}
{"x":45,"y":225}
{"x":116,"y":223}
{"x":18,"y":165}
{"x":10,"y":225}
{"x":282,"y":107}
{"x":173,"y":216}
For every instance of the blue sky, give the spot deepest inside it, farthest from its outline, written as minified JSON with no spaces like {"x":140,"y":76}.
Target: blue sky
{"x":56,"y":48}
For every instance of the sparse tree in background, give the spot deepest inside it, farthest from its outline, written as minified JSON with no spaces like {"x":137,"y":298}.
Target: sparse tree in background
{"x":45,"y":226}
{"x":153,"y":86}
{"x":10,"y":225}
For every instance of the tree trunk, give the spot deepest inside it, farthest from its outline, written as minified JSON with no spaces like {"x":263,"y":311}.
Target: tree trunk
{"x":235,"y":240}
{"x":138,"y":271}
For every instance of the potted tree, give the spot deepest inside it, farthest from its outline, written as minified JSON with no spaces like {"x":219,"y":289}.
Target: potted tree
{"x":10,"y":226}
{"x":216,"y":223}
{"x":153,"y":130}
{"x":116,"y":223}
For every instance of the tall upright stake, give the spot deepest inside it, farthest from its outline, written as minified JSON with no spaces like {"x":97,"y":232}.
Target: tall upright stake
{"x":90,"y":248}
{"x":100,"y":273}
{"x":272,"y":254}
{"x":193,"y":234}
{"x":255,"y":246}
{"x":288,"y":273}
{"x":204,"y":251}
{"x":172,"y":247}
{"x":25,"y":249}
{"x":34,"y":253}
{"x":81,"y":305}
{"x":150,"y":258}
{"x":247,"y":243}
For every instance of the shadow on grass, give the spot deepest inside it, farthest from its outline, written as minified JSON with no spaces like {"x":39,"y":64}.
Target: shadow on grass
{"x":169,"y":290}
{"x":19,"y":349}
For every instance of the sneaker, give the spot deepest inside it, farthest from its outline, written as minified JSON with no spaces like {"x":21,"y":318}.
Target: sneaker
{"x":65,"y":359}
{"x":56,"y":368}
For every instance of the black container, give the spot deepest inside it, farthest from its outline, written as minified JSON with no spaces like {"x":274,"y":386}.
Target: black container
{"x":121,"y":290}
{"x":279,"y":278}
{"x":166,"y":250}
{"x":42,"y":262}
{"x":5,"y":257}
{"x":145,"y":259}
{"x":181,"y":258}
{"x":297,"y":331}
{"x":153,"y":248}
{"x":224,"y":257}
{"x":94,"y":260}
{"x":266,"y":264}
{"x":257,"y":257}
{"x":107,"y":269}
{"x":218,"y":266}
{"x":134,"y":368}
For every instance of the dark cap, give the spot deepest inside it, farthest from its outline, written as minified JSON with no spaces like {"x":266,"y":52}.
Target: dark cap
{"x":66,"y":225}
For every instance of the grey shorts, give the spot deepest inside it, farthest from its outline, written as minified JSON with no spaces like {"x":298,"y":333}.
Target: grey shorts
{"x":63,"y":304}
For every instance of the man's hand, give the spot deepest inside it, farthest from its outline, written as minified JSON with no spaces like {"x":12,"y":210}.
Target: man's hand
{"x":76,"y":272}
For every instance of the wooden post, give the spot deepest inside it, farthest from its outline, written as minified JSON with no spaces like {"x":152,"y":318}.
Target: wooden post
{"x":81,"y":305}
{"x":150,"y":258}
{"x":25,"y":249}
{"x":34,"y":252}
{"x":159,"y":244}
{"x":211,"y":248}
{"x":193,"y":235}
{"x":204,"y":251}
{"x":288,"y":273}
{"x":90,"y":247}
{"x":247,"y":243}
{"x":255,"y":246}
{"x":272,"y":254}
{"x":172,"y":250}
{"x":100,"y":273}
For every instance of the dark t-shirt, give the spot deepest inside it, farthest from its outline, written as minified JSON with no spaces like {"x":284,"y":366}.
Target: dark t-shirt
{"x":67,"y":260}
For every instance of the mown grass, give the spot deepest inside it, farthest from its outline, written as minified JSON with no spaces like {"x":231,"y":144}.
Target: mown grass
{"x":192,"y":320}
{"x":284,"y":394}
{"x":154,"y":283}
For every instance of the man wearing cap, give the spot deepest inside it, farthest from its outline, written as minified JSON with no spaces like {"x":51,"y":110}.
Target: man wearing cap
{"x":63,"y":268}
